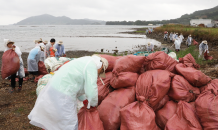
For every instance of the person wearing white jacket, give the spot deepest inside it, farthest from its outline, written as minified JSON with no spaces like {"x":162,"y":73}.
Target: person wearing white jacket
{"x":56,"y":105}
{"x":177,"y":44}
{"x":189,"y":40}
{"x":181,"y":37}
{"x":10,"y":45}
{"x":203,"y":47}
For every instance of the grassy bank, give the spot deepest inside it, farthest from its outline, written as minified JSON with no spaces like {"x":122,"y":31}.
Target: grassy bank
{"x":194,"y":52}
{"x":198,"y":33}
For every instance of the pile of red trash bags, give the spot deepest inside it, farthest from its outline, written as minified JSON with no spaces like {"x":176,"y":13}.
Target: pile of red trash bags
{"x":154,"y":93}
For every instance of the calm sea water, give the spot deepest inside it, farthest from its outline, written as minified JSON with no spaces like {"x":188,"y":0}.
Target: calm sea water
{"x":75,"y":37}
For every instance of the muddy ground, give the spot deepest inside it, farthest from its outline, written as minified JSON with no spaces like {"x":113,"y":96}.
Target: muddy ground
{"x":14,"y":108}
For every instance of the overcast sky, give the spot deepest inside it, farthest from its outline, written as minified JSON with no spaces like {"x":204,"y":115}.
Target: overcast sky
{"x":12,"y":11}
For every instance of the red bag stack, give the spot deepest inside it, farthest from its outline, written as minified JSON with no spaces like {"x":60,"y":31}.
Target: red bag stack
{"x":193,"y":76}
{"x":160,"y":60}
{"x":189,"y":61}
{"x":182,"y":90}
{"x":185,"y":118}
{"x":109,"y":110}
{"x":10,"y":63}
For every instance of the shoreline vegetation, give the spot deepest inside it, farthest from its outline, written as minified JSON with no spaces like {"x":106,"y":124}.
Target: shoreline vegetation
{"x":198,"y":33}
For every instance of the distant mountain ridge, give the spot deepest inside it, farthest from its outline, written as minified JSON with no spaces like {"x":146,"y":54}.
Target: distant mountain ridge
{"x":47,"y":19}
{"x":184,"y":19}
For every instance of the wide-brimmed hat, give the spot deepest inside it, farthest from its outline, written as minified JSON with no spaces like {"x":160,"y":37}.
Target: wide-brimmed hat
{"x":6,"y":41}
{"x":205,"y":42}
{"x":190,"y":35}
{"x":105,"y":65}
{"x":149,"y":44}
{"x":60,"y":42}
{"x":45,"y":42}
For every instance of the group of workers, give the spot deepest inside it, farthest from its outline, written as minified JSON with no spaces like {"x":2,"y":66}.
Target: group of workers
{"x":178,"y":39}
{"x":56,"y":105}
{"x":40,"y":52}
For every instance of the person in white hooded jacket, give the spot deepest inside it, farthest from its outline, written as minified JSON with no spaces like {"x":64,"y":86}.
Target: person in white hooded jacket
{"x":56,"y":105}
{"x":10,"y":45}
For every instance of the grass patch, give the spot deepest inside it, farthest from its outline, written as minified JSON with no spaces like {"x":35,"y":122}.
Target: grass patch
{"x":139,"y":31}
{"x":19,"y":110}
{"x":194,"y":52}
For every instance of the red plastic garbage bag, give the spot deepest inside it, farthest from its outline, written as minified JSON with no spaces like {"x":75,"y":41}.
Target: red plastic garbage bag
{"x":185,"y":118}
{"x":213,"y":85}
{"x":129,"y":63}
{"x":193,"y":76}
{"x":161,"y":103}
{"x":41,"y":68}
{"x":152,"y":86}
{"x":189,"y":61}
{"x":88,"y":119}
{"x":10,"y":63}
{"x":109,"y":110}
{"x":123,"y":79}
{"x":37,"y":78}
{"x":111,"y":61}
{"x":181,"y":90}
{"x":104,"y":90}
{"x":207,"y":111}
{"x":138,"y":116}
{"x":160,"y":60}
{"x":164,"y":114}
{"x":207,"y":57}
{"x":195,"y":42}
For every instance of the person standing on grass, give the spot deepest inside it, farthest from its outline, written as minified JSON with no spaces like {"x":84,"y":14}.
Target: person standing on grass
{"x":60,"y":49}
{"x":177,"y":44}
{"x":165,"y":36}
{"x":181,"y":37}
{"x":203,"y":47}
{"x":33,"y":59}
{"x":189,"y":40}
{"x":10,"y":45}
{"x":171,"y":37}
{"x":50,"y":48}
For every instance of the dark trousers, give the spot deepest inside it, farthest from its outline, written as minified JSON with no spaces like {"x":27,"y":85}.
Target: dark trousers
{"x":13,"y":82}
{"x":165,"y":39}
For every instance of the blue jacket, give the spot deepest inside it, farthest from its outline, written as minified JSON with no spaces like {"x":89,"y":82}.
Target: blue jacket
{"x":60,"y":50}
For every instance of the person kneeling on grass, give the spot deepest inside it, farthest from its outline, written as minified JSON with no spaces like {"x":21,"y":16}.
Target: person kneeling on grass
{"x":33,"y":59}
{"x":56,"y":105}
{"x":203,"y":47}
{"x":10,"y":45}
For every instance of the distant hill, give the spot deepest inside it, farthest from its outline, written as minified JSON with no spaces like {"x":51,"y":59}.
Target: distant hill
{"x":47,"y":19}
{"x":184,"y":19}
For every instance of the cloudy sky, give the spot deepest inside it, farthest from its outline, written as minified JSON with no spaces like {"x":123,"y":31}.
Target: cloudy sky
{"x":12,"y":11}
